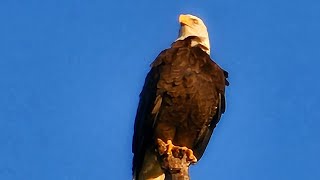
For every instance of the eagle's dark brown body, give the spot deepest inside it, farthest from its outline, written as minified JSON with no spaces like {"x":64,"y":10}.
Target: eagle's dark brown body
{"x":182,"y":100}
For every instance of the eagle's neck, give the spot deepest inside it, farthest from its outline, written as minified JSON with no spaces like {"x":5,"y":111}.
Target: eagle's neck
{"x":203,"y":43}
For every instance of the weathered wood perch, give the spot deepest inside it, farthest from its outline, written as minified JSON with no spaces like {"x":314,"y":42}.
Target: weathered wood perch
{"x":175,"y":165}
{"x":176,"y":168}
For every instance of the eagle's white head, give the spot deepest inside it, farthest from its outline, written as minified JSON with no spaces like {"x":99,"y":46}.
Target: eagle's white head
{"x":194,"y":26}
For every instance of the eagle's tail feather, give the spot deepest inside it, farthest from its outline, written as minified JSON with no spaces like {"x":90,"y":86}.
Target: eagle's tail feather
{"x":151,"y":169}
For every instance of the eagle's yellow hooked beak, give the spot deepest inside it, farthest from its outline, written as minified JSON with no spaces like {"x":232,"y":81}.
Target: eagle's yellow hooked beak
{"x":185,"y":20}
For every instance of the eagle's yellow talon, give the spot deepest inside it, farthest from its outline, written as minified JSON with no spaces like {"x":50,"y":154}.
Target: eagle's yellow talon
{"x":191,"y":157}
{"x":170,"y":146}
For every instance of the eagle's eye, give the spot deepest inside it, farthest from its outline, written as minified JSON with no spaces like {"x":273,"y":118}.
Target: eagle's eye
{"x":195,"y":21}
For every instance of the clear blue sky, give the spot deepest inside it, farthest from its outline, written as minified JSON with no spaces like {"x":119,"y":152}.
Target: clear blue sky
{"x":71,"y":72}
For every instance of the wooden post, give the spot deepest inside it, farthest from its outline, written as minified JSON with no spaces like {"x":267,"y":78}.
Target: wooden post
{"x":177,"y":168}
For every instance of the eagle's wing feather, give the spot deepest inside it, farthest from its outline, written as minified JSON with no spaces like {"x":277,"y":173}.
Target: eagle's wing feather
{"x":205,"y":137}
{"x":147,"y":111}
{"x":220,"y":77}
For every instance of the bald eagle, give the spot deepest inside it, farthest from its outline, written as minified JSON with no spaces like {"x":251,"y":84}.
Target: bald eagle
{"x":181,"y":101}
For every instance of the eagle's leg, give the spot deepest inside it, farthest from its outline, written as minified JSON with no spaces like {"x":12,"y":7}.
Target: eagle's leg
{"x":177,"y":151}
